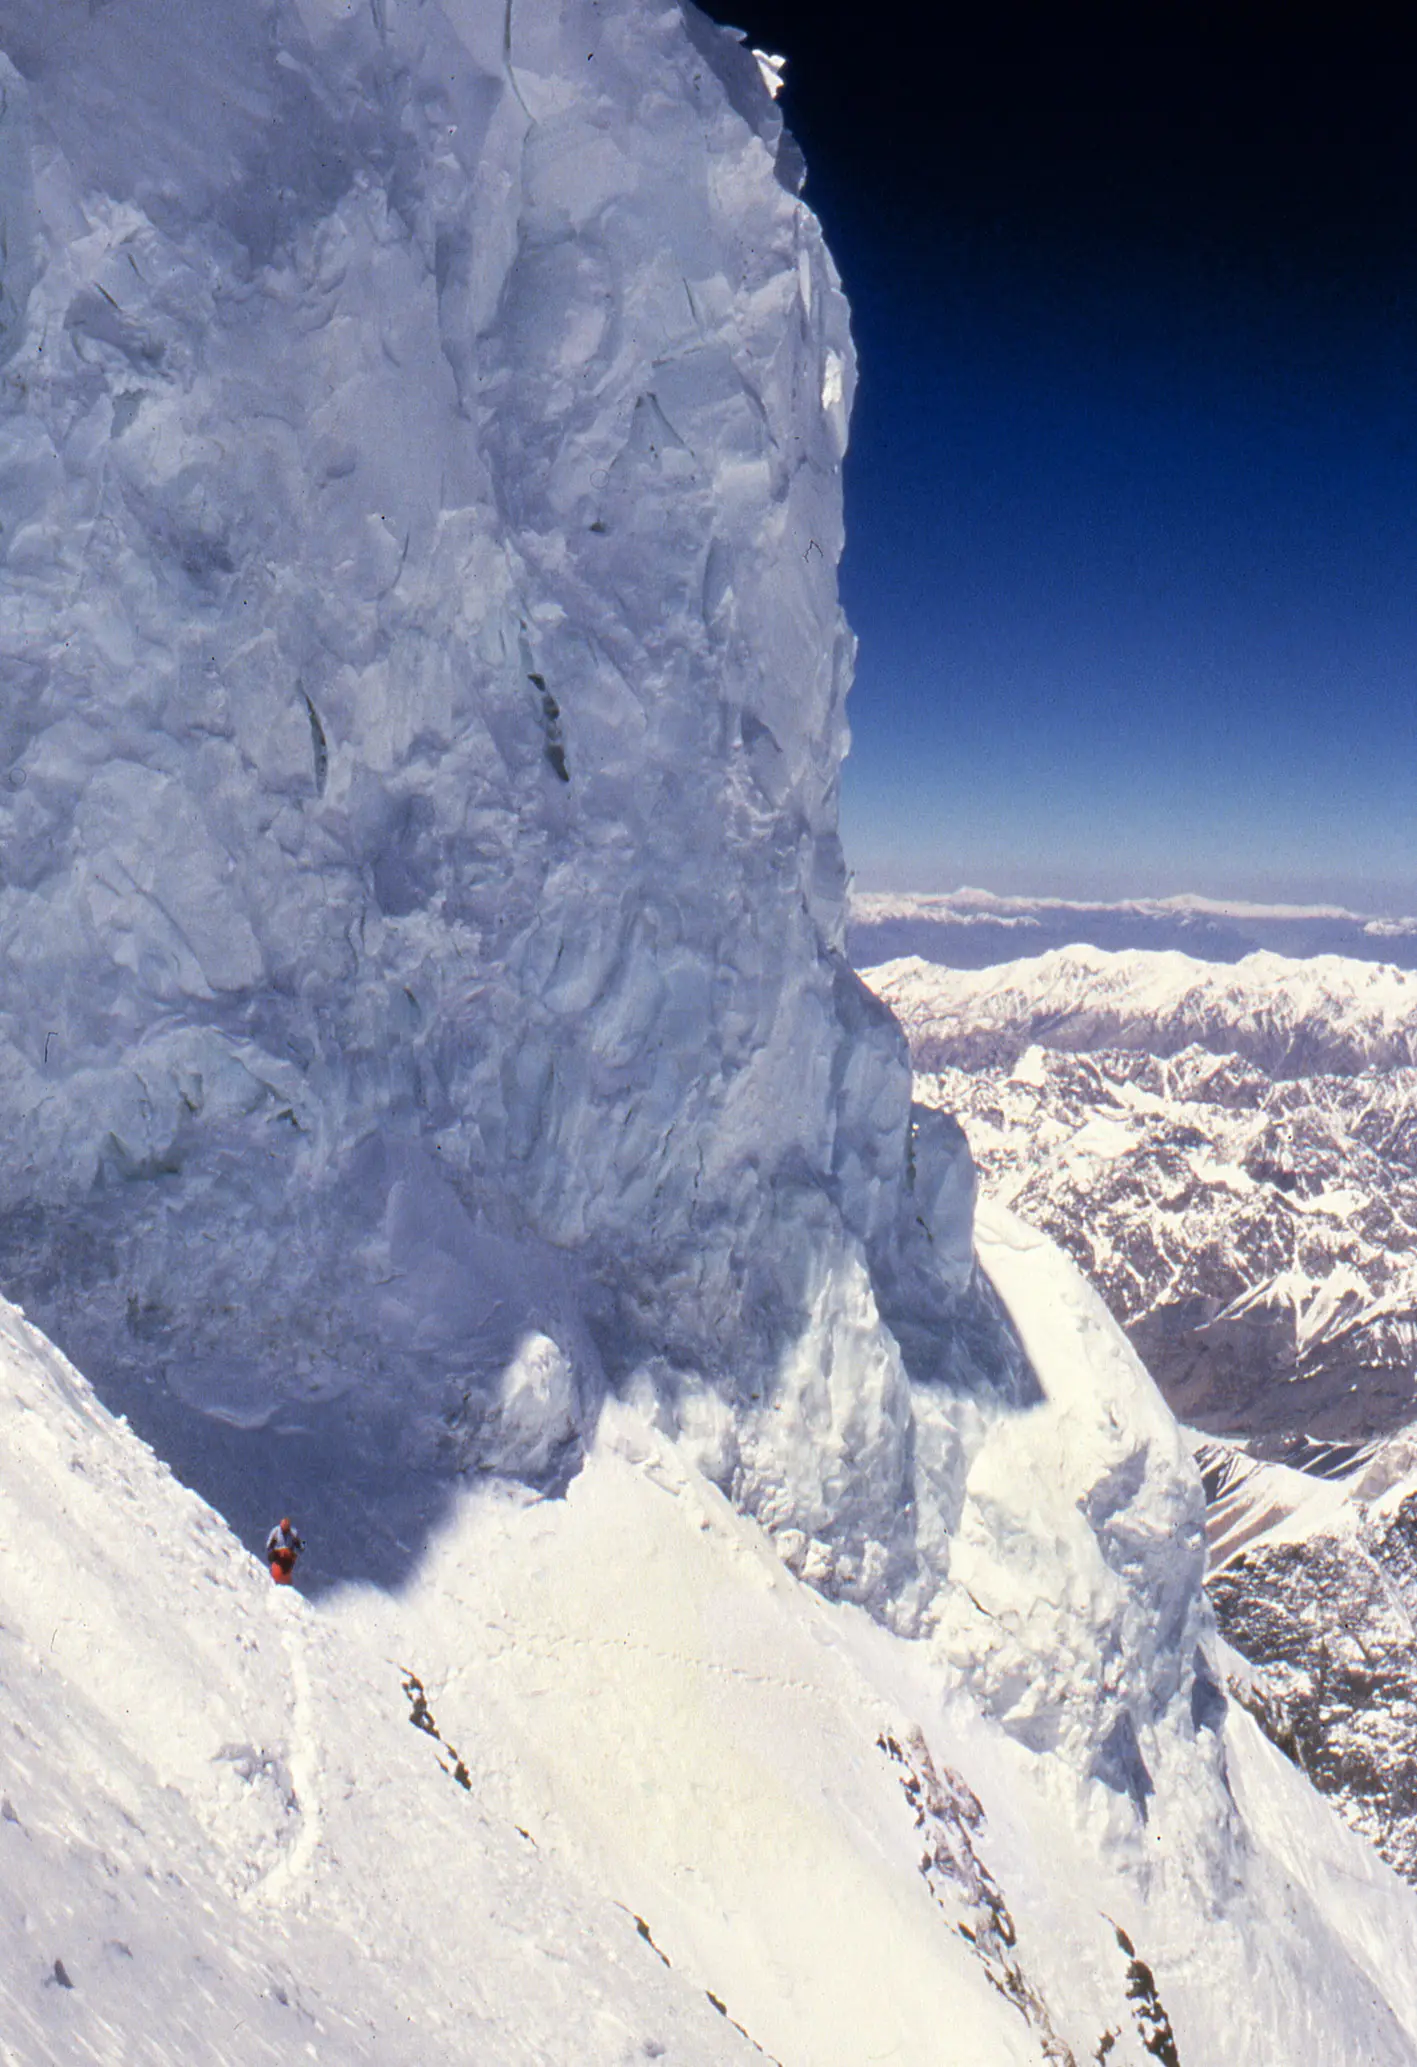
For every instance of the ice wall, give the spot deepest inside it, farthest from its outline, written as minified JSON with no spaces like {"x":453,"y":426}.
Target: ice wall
{"x":423,"y":691}
{"x":421,"y":708}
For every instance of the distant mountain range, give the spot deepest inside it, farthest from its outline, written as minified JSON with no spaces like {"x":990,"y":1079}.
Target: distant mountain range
{"x":1290,"y":1018}
{"x":1230,"y":1154}
{"x":974,"y":929}
{"x":1253,"y":1225}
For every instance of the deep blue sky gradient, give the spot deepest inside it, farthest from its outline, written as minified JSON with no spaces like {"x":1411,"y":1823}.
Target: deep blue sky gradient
{"x":1132,"y":498}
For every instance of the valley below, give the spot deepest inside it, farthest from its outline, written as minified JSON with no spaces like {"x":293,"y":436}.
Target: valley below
{"x":1229,"y":1153}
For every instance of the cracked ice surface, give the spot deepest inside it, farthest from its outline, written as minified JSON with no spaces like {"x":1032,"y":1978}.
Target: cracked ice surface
{"x":422,"y":703}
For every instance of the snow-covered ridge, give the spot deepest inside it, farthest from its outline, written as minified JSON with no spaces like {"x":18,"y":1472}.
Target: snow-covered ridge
{"x":1290,"y":1017}
{"x":1226,"y":1150}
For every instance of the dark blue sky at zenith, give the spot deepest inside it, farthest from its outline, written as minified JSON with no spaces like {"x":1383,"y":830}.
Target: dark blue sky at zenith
{"x":1132,"y":495}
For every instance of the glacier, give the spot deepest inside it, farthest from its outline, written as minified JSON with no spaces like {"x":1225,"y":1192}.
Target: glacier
{"x":431,"y":1076}
{"x":422,"y":894}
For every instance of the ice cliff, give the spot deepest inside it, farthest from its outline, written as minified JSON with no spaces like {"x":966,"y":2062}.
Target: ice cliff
{"x":422,"y":903}
{"x":423,"y":684}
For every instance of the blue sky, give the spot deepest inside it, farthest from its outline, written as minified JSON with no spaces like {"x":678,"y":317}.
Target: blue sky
{"x":1132,"y":499}
{"x":1134,"y":589}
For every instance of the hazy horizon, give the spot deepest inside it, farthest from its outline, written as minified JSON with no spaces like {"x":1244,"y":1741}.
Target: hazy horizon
{"x":1369,"y":901}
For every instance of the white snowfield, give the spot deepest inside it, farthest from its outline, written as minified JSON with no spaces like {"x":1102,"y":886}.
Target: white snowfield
{"x":222,"y":1841}
{"x":652,"y":1767}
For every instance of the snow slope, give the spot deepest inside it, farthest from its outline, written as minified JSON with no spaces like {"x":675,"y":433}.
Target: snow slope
{"x":218,"y":1824}
{"x":651,"y":1768}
